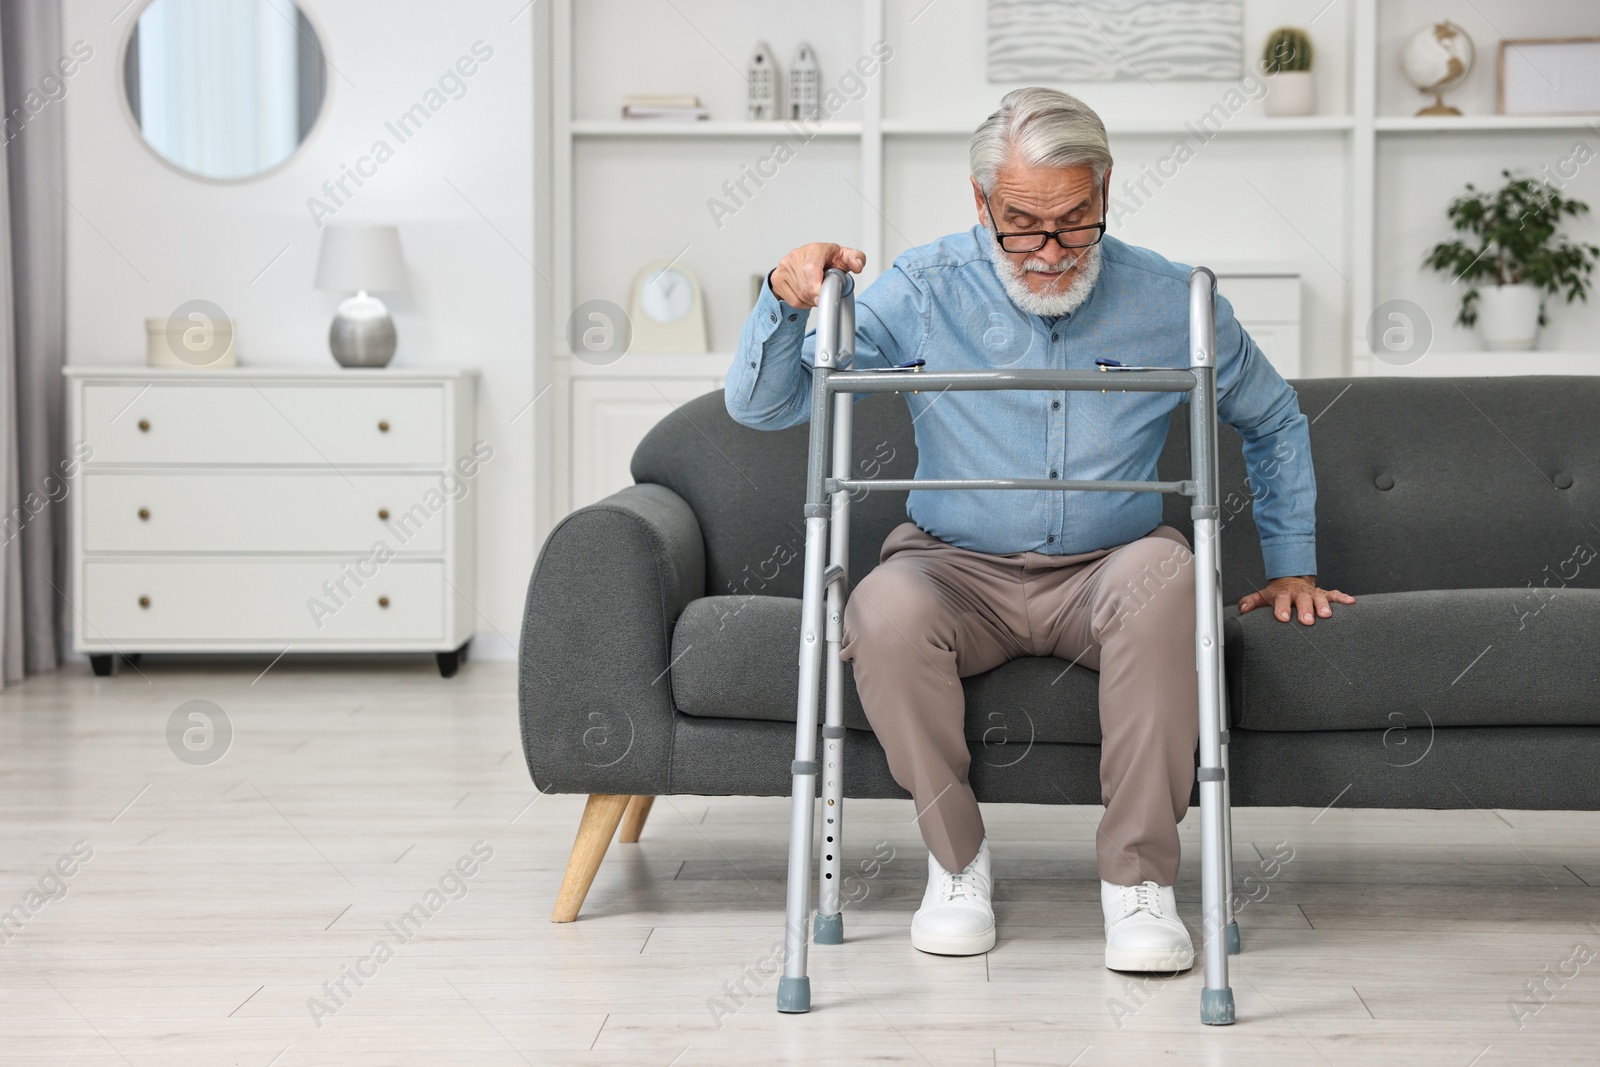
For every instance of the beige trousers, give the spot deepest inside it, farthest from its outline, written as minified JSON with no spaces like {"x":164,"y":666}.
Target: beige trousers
{"x":931,"y":614}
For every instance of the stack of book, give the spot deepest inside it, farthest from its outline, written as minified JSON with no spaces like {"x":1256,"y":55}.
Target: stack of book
{"x":669,"y":106}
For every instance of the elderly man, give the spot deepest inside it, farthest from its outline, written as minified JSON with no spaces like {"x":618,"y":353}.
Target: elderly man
{"x":978,"y":578}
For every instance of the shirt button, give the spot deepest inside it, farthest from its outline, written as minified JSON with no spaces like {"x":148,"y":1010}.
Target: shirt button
{"x":1053,"y":474}
{"x":1050,"y":540}
{"x":1055,"y":337}
{"x":793,"y":317}
{"x":752,"y":363}
{"x":1055,"y":405}
{"x":774,"y":316}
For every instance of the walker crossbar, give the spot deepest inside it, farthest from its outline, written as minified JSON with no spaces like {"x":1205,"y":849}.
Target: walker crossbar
{"x":835,"y":485}
{"x":826,"y":579}
{"x":1124,"y":380}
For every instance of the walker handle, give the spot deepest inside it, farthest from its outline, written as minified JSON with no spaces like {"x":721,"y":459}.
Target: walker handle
{"x":836,"y":321}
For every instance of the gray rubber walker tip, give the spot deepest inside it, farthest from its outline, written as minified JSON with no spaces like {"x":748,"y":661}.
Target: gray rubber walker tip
{"x":828,"y":929}
{"x":794,"y":995}
{"x":1216,"y":1007}
{"x":1233,"y":938}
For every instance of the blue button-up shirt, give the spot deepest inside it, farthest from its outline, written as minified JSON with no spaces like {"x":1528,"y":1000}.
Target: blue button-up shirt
{"x":944,"y":304}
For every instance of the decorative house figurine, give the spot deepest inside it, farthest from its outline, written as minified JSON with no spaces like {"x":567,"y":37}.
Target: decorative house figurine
{"x":762,"y":74}
{"x":805,"y":85}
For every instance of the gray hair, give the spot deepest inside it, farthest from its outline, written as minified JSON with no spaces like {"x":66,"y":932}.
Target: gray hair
{"x":1039,"y":126}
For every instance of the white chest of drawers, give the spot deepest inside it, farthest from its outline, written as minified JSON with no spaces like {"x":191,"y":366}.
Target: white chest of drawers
{"x":272,"y":510}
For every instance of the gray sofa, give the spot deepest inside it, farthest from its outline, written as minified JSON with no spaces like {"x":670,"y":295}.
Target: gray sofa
{"x":660,"y":640}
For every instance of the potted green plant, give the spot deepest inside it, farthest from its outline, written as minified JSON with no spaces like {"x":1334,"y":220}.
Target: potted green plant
{"x":1514,"y":259}
{"x":1286,"y":60}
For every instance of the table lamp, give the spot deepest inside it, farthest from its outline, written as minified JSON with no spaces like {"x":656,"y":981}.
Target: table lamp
{"x":363,"y":258}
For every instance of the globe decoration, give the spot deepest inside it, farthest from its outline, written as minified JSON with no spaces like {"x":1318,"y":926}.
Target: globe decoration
{"x":1437,"y":60}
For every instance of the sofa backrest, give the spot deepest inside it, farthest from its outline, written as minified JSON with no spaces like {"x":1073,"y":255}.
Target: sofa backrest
{"x":1422,"y":483}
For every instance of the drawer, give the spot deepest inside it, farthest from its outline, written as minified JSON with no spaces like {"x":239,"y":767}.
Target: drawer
{"x":259,"y":511}
{"x":264,"y":423}
{"x":295,"y":602}
{"x":1259,"y":298}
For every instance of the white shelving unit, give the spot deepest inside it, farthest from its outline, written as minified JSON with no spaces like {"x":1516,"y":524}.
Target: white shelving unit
{"x":1350,"y":199}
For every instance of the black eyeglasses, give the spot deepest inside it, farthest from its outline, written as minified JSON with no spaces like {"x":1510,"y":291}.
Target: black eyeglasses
{"x":1033,"y":240}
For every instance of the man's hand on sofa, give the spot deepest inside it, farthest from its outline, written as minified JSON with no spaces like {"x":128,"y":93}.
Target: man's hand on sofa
{"x":797,"y":279}
{"x":1300,"y":594}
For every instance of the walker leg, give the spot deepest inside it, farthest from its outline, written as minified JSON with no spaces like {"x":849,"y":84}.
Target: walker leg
{"x":1216,"y":999}
{"x":794,"y":987}
{"x":828,"y":928}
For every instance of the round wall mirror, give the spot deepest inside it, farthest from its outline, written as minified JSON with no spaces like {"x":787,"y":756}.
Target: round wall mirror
{"x":224,"y":89}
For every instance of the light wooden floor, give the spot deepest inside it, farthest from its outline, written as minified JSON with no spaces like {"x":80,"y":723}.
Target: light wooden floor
{"x":220,"y":898}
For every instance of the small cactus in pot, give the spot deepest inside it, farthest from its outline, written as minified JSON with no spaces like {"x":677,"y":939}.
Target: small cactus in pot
{"x":1286,"y":59}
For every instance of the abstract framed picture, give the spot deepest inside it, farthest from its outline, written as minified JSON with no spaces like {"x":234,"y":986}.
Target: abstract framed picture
{"x":1115,"y":40}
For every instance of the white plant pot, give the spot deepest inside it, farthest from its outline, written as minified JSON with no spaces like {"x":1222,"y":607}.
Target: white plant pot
{"x":1508,"y":317}
{"x":1291,"y":93}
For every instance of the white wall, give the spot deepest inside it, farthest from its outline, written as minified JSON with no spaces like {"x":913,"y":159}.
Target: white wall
{"x":143,"y":239}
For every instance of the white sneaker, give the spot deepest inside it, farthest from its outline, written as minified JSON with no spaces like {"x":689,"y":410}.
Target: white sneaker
{"x":1143,"y":931}
{"x":956,"y":917}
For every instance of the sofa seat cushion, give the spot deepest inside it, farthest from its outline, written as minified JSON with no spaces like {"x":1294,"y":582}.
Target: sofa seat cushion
{"x":738,"y":657}
{"x":1440,"y":658}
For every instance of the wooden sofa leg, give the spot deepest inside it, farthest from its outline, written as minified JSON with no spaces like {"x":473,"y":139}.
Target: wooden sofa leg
{"x":599,"y":823}
{"x":633,"y":819}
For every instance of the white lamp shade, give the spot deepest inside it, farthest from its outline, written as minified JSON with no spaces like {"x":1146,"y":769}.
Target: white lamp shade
{"x":361,"y":258}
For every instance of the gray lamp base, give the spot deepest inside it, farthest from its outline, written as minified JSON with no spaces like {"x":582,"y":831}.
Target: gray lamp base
{"x":362,"y":334}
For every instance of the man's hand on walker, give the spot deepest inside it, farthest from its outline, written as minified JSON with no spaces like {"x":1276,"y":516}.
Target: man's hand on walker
{"x":797,"y":279}
{"x":1299,"y":594}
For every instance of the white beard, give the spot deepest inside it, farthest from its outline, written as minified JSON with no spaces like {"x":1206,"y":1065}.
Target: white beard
{"x":1053,"y":304}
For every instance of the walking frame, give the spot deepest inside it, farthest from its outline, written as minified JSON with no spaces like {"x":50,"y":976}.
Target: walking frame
{"x":827,"y":574}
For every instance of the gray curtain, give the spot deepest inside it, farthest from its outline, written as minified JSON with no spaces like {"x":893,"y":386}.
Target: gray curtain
{"x":33,"y":450}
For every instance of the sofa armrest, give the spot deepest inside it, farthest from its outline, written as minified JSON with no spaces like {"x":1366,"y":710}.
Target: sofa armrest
{"x":595,"y":702}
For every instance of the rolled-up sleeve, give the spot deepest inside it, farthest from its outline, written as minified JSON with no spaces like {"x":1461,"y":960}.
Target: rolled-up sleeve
{"x":1253,"y":398}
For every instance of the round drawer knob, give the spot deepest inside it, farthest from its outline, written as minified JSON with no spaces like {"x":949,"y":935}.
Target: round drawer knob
{"x":383,"y":602}
{"x":144,"y":425}
{"x":144,"y":602}
{"x":383,"y":425}
{"x":144,"y":514}
{"x":383,"y":513}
